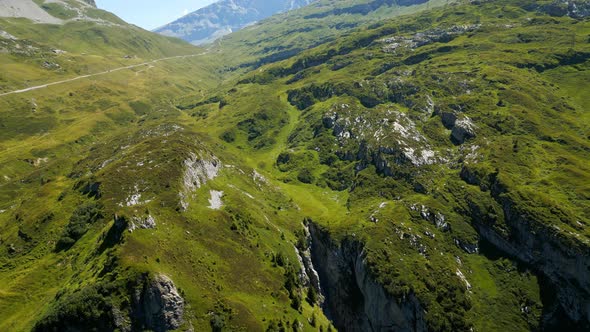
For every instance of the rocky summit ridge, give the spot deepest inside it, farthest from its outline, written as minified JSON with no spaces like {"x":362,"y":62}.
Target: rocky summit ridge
{"x":223,"y":17}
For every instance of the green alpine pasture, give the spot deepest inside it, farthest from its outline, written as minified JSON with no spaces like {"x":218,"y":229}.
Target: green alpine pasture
{"x":404,"y":128}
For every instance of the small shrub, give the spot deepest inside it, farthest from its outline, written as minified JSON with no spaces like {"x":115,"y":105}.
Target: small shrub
{"x":229,"y":136}
{"x":217,"y":322}
{"x":305,"y":176}
{"x":80,"y":221}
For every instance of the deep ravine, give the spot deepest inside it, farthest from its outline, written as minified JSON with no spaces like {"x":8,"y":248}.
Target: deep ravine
{"x":352,"y":299}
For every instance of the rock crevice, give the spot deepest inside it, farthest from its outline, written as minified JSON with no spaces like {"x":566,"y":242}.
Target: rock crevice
{"x":353,"y":299}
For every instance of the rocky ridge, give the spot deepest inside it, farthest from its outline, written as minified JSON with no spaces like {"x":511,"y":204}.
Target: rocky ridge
{"x":223,"y":17}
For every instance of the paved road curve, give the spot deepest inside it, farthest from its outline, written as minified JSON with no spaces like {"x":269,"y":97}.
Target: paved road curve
{"x":97,"y":74}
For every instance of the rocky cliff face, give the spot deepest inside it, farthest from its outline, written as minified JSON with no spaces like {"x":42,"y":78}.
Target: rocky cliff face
{"x":223,"y":17}
{"x":564,"y":264}
{"x":566,"y":269}
{"x":157,"y":305}
{"x":353,"y":300}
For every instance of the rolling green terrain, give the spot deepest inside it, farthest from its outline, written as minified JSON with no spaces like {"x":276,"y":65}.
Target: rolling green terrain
{"x":352,"y":165}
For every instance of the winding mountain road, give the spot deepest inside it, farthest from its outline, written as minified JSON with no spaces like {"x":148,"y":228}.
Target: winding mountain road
{"x":43,"y":86}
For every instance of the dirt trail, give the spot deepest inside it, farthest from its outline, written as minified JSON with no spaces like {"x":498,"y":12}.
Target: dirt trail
{"x":43,"y":86}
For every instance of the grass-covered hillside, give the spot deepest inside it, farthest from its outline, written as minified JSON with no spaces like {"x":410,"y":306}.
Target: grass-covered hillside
{"x":454,"y":143}
{"x":285,"y":35}
{"x":400,"y":171}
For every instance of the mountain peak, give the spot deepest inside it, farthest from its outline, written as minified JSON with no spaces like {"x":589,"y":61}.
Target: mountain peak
{"x":223,"y":17}
{"x":54,"y":11}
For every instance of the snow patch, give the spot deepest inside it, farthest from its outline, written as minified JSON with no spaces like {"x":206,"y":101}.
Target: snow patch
{"x":215,"y":202}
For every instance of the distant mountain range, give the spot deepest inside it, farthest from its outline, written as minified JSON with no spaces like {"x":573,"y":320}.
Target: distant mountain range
{"x":221,"y":18}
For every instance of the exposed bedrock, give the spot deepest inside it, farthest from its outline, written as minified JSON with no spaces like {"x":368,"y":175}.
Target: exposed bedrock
{"x":562,"y":261}
{"x":353,"y":299}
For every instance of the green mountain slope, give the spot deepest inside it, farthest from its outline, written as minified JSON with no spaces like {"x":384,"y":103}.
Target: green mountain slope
{"x":412,"y":173}
{"x":285,"y":35}
{"x":455,"y":143}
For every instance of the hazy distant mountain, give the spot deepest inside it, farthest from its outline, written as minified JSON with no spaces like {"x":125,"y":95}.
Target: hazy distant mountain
{"x":51,"y":11}
{"x":223,"y":17}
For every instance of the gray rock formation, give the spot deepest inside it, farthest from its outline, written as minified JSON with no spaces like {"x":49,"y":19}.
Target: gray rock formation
{"x":145,"y":222}
{"x":157,"y":305}
{"x":448,"y":119}
{"x":354,"y":300}
{"x":462,"y":128}
{"x":309,"y":275}
{"x":578,"y":9}
{"x":567,"y":269}
{"x":90,"y":2}
{"x":223,"y":17}
{"x":198,"y":169}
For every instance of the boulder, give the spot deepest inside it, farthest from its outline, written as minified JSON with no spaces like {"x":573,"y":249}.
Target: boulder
{"x":464,"y":129}
{"x":448,"y":119}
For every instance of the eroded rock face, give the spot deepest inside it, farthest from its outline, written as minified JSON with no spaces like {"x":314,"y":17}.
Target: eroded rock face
{"x":198,"y":169}
{"x":157,"y":305}
{"x":383,"y":142}
{"x":563,"y":262}
{"x":419,"y":39}
{"x":566,"y":267}
{"x":27,"y":9}
{"x":354,"y":301}
{"x":461,"y":126}
{"x":464,"y":129}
